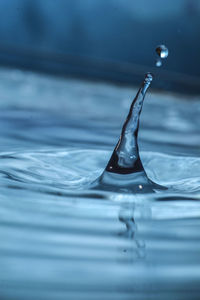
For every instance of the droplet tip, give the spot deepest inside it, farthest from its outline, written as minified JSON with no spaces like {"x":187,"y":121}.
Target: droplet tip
{"x":148,"y":77}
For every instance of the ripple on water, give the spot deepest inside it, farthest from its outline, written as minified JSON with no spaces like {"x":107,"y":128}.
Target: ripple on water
{"x":77,"y":169}
{"x":60,"y":240}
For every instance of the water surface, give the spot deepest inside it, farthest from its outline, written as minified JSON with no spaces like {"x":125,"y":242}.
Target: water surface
{"x":62,"y":240}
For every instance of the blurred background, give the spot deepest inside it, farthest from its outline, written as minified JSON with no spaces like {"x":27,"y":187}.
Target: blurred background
{"x":111,"y":40}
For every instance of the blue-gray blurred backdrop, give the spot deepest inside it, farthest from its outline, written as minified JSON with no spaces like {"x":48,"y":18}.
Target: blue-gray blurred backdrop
{"x":103,"y":39}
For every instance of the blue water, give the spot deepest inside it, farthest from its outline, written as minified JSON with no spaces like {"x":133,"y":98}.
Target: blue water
{"x":62,"y":240}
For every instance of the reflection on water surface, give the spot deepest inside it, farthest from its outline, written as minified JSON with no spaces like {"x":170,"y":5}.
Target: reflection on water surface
{"x":62,"y":240}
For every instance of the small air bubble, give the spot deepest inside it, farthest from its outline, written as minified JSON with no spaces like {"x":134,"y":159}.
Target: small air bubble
{"x":140,"y":187}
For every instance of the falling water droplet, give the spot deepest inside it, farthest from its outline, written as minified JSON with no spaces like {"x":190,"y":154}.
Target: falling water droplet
{"x":162,"y":52}
{"x":158,"y":62}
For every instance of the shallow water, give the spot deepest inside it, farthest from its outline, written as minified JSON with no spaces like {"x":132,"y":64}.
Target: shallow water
{"x":62,"y":240}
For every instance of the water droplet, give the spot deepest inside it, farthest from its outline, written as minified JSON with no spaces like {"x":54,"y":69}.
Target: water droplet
{"x":162,"y":51}
{"x":158,"y":62}
{"x":140,"y":187}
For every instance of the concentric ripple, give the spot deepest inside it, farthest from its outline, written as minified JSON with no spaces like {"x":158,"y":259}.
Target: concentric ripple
{"x":62,"y":240}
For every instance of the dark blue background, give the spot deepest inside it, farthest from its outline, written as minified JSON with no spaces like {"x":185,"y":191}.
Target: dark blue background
{"x":104,"y":39}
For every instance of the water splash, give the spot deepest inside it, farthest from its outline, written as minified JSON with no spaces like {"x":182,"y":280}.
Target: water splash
{"x":125,"y":158}
{"x":125,"y":170}
{"x":162,"y":52}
